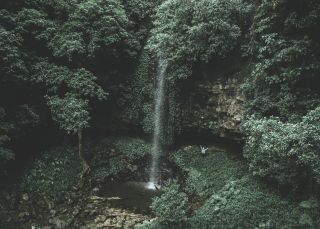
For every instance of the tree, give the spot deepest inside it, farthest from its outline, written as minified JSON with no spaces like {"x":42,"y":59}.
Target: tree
{"x":69,"y":100}
{"x":13,"y":72}
{"x":285,"y":152}
{"x":284,"y":48}
{"x":190,"y":32}
{"x":91,"y":26}
{"x":72,"y":116}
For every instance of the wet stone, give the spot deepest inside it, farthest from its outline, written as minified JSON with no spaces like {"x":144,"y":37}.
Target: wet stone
{"x":23,"y":216}
{"x":25,"y":197}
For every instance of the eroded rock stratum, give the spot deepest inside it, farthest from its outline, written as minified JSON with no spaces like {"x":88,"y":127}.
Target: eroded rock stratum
{"x":217,"y":107}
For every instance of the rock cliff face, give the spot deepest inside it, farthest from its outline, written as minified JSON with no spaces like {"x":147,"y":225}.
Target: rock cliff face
{"x":217,"y":107}
{"x":196,"y":105}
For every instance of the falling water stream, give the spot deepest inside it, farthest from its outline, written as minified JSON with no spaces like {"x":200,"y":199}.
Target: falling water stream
{"x":158,"y":119}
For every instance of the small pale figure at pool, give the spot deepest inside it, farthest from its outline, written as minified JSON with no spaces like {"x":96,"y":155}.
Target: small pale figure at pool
{"x":203,"y":150}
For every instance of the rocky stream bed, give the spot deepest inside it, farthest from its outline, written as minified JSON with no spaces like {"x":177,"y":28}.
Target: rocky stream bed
{"x":85,"y":211}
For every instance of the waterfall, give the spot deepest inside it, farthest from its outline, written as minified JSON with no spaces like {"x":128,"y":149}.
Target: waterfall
{"x":158,"y":121}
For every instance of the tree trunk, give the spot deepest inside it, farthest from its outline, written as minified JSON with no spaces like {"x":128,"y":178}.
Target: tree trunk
{"x":85,"y":165}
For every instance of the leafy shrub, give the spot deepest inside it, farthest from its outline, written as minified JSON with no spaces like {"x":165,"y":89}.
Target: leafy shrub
{"x":11,"y":58}
{"x":269,"y":150}
{"x":285,"y":152}
{"x":246,"y":204}
{"x":172,"y":206}
{"x":112,"y":156}
{"x":53,"y":174}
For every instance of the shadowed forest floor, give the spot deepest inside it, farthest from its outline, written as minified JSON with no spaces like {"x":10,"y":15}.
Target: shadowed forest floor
{"x":216,"y":185}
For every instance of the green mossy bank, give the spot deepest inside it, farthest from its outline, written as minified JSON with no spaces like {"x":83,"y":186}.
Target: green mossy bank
{"x":218,"y":191}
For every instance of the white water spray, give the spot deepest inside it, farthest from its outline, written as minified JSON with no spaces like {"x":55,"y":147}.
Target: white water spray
{"x":158,"y":113}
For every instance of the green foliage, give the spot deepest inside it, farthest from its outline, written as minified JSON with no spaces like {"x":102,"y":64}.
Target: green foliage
{"x":6,"y":155}
{"x":139,"y":10}
{"x":151,"y":225}
{"x":176,"y":110}
{"x":80,"y":81}
{"x":172,"y":206}
{"x":189,"y":35}
{"x":12,"y":66}
{"x":66,"y":48}
{"x":207,"y":173}
{"x":53,"y":174}
{"x":138,"y":100}
{"x":132,"y":148}
{"x":15,"y":119}
{"x":286,"y":152}
{"x":235,"y":199}
{"x":70,"y":113}
{"x":15,"y":123}
{"x":140,"y":14}
{"x":113,"y":155}
{"x":246,"y":204}
{"x":286,"y":65}
{"x":138,"y":95}
{"x":33,"y":22}
{"x":91,"y":26}
{"x":187,"y":32}
{"x":58,"y":8}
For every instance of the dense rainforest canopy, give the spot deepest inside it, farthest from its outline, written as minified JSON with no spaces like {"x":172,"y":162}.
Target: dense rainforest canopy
{"x":239,"y":72}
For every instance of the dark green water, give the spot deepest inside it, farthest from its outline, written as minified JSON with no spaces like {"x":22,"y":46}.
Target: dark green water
{"x":130,"y":195}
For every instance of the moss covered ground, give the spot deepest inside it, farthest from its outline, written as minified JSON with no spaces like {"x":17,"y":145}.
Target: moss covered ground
{"x":225,"y":195}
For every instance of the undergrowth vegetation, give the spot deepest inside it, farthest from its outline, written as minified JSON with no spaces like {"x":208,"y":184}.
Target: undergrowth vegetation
{"x":206,"y":174}
{"x":114,"y":155}
{"x":53,"y":174}
{"x":235,"y":199}
{"x":172,"y":207}
{"x":57,"y":172}
{"x":285,"y":152}
{"x":245,"y":203}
